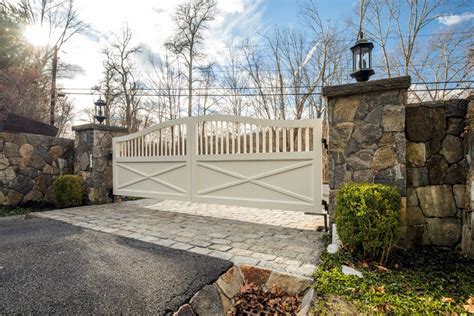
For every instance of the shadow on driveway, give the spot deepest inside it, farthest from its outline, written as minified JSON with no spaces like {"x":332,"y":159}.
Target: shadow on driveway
{"x":50,"y":267}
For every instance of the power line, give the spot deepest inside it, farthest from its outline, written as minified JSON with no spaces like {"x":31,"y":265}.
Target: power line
{"x":263,"y":88}
{"x":248,"y":94}
{"x":350,"y":40}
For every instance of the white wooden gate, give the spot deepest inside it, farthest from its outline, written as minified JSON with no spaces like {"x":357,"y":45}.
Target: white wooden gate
{"x":226,"y":160}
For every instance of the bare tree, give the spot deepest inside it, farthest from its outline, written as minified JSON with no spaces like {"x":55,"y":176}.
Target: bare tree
{"x":397,"y":27}
{"x":234,"y":82}
{"x":165,"y":81}
{"x":191,"y":20}
{"x":119,"y":59}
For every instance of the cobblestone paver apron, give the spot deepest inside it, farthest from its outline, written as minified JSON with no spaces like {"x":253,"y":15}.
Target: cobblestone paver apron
{"x":281,"y":240}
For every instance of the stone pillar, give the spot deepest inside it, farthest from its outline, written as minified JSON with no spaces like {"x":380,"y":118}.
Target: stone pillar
{"x":93,"y":161}
{"x":367,"y":134}
{"x":467,"y":233}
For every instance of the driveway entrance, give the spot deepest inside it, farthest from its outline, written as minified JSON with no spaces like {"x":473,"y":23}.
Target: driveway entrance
{"x":286,"y":241}
{"x":221,"y":159}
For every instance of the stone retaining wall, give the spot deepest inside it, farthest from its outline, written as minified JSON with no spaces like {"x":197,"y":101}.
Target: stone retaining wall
{"x":423,"y":149}
{"x":29,"y":164}
{"x":93,"y":160}
{"x":436,"y":173}
{"x":366,"y":134}
{"x":467,"y":232}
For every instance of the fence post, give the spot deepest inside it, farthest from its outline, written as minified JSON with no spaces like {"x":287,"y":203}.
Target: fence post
{"x":367,"y":134}
{"x":93,"y":161}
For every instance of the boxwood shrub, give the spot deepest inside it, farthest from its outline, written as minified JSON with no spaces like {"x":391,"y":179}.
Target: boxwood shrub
{"x":368,"y":219}
{"x":68,"y":190}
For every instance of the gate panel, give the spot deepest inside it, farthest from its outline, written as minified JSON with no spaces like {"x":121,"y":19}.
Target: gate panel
{"x":153,"y":163}
{"x":258,"y":163}
{"x":224,"y":159}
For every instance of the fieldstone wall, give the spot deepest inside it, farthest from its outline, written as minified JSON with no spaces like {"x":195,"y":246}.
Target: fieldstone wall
{"x":93,"y":159}
{"x":467,"y":218}
{"x":29,"y":164}
{"x":367,"y":134}
{"x":436,"y":173}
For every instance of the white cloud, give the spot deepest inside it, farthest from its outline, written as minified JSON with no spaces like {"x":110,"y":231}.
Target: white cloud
{"x":152,"y":24}
{"x":454,"y":19}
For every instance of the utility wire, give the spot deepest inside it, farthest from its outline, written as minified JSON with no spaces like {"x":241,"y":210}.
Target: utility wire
{"x":257,"y":88}
{"x":245,"y":94}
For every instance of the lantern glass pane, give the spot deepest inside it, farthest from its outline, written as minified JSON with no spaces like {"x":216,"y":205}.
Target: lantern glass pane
{"x":365,"y":58}
{"x":357,"y":59}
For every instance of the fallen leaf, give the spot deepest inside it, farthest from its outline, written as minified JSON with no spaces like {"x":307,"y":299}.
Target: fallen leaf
{"x":247,"y":287}
{"x":469,"y":307}
{"x":447,"y":300}
{"x":365,"y":264}
{"x":378,"y":289}
{"x":382,"y":268}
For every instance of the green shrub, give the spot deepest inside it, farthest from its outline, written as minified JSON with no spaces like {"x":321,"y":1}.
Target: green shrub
{"x":68,"y":190}
{"x":368,"y":219}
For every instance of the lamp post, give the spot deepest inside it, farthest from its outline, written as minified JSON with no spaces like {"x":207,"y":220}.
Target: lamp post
{"x":99,"y":110}
{"x":362,"y":59}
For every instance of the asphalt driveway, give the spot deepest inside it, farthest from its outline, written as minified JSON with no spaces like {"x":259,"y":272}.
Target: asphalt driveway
{"x":51,"y":267}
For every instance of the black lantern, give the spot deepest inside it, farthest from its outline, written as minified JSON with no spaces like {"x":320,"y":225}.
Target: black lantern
{"x":362,"y":59}
{"x":99,"y":110}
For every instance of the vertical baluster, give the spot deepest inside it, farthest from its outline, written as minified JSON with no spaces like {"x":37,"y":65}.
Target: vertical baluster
{"x":306,"y":139}
{"x":185,"y":134}
{"x":257,"y":136}
{"x":264,"y":139}
{"x":270,"y":143}
{"x":227,"y":137}
{"x":251,"y":147}
{"x":221,"y":134}
{"x":299,"y":139}
{"x":233,"y":138}
{"x":201,"y":138}
{"x":292,"y":139}
{"x":206,"y":137}
{"x":211,"y":137}
{"x":285,"y":143}
{"x":239,"y":149}
{"x":245,"y":138}
{"x":277,"y":131}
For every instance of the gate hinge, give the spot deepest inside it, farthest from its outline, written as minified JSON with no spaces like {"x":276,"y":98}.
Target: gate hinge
{"x":325,"y":205}
{"x":324,"y":141}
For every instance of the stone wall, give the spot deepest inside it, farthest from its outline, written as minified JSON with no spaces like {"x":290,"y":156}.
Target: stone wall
{"x":426,"y":150}
{"x":467,"y":218}
{"x":366,"y":134}
{"x":29,"y":164}
{"x":436,"y":173}
{"x":93,"y":160}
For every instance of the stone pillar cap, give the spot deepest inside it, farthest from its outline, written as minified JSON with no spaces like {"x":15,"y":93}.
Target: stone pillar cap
{"x":398,"y":83}
{"x":87,"y":127}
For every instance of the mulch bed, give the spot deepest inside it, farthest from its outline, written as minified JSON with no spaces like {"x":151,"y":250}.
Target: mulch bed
{"x":253,"y":300}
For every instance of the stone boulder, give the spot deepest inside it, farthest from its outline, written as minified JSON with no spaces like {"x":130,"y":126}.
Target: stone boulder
{"x":452,"y":148}
{"x":384,"y":158}
{"x":416,"y":154}
{"x":21,"y":184}
{"x":444,"y":232}
{"x":26,"y":150}
{"x":437,"y":166}
{"x":424,"y":124}
{"x":10,"y":150}
{"x":437,"y":201}
{"x":393,"y":118}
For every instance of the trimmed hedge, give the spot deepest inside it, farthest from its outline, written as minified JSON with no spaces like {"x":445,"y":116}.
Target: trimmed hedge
{"x":68,"y":190}
{"x":368,"y":219}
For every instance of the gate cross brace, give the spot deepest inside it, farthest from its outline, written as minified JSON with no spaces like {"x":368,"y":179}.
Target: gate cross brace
{"x":151,"y":177}
{"x":253,"y":179}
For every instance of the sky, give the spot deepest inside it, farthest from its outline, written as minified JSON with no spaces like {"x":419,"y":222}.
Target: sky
{"x":151,"y":23}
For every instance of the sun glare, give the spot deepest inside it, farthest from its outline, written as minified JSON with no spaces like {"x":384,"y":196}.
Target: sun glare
{"x":36,"y":35}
